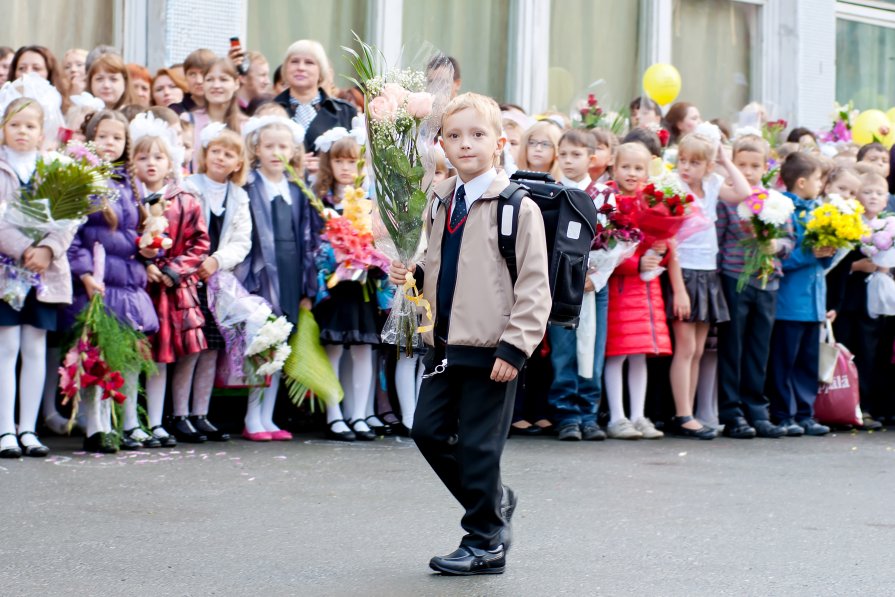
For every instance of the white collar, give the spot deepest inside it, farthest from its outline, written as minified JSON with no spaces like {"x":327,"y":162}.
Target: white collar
{"x":476,"y":187}
{"x":277,"y":188}
{"x":22,"y":163}
{"x":580,"y":184}
{"x":216,"y":195}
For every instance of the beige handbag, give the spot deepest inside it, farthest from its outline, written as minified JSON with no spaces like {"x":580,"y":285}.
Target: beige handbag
{"x":829,"y":353}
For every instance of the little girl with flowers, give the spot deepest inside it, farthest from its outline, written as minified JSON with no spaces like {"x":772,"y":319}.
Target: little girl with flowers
{"x":349,"y":272}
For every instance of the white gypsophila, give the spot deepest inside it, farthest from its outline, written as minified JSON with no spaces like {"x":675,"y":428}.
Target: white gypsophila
{"x":669,"y":182}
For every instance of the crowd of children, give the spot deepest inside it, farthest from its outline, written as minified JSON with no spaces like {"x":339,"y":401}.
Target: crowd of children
{"x":677,"y":348}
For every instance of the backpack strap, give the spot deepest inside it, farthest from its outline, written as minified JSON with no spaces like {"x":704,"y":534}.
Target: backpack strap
{"x":508,"y":204}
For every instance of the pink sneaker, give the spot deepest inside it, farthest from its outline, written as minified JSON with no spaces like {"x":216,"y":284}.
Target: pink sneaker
{"x":281,"y":435}
{"x":261,"y":436}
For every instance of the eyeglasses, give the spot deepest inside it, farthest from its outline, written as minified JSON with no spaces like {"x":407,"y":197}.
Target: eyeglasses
{"x":542,"y":144}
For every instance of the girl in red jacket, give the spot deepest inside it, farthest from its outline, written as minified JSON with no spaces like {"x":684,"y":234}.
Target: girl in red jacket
{"x":636,"y":316}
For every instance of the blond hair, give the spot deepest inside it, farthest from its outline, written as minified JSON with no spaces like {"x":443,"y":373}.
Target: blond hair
{"x":484,"y":106}
{"x":253,"y":140}
{"x":633,"y":148}
{"x":549,"y":129}
{"x":229,"y":140}
{"x":752,"y":143}
{"x":874,"y":178}
{"x":315,"y":50}
{"x":698,"y":148}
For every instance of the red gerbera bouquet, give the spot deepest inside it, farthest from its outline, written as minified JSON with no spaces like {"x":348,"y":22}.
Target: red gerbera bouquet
{"x":615,"y":241}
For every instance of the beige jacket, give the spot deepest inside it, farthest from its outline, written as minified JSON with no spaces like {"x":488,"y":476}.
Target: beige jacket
{"x":489,"y":317}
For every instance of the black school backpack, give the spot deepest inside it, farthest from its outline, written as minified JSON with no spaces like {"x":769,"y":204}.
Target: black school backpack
{"x":569,"y":220}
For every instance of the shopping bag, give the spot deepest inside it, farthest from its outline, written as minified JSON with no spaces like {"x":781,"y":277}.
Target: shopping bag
{"x":880,"y":294}
{"x":829,"y":355}
{"x":586,"y":336}
{"x":838,"y":402}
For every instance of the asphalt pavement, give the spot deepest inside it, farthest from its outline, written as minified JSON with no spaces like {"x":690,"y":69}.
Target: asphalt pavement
{"x":805,"y":516}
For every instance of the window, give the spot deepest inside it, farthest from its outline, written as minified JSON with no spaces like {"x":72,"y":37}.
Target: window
{"x":72,"y":24}
{"x":472,"y":31}
{"x":715,"y":47}
{"x":593,"y":48}
{"x":865,"y":57}
{"x":274,"y":24}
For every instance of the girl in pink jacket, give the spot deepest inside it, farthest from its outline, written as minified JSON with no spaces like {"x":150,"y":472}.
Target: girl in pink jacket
{"x":25,"y":331}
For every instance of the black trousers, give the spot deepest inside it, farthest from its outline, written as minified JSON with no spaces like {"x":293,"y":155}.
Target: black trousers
{"x":861,"y":335}
{"x":460,"y":426}
{"x":744,"y":344}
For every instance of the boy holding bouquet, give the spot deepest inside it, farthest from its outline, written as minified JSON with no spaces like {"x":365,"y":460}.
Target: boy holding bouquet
{"x":485,"y":329}
{"x":792,"y":378}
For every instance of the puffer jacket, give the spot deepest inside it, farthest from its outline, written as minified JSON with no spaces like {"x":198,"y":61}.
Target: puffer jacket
{"x":636,"y":314}
{"x":55,"y":285}
{"x":124,"y":275}
{"x":490,"y":318}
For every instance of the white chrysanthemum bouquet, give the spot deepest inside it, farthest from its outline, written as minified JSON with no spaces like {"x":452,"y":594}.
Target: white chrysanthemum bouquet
{"x":766,"y":213}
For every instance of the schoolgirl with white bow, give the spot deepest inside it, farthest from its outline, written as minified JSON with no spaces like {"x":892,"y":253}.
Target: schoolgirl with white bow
{"x":24,"y":332}
{"x":156,"y":153}
{"x":225,"y":207}
{"x":285,"y":235}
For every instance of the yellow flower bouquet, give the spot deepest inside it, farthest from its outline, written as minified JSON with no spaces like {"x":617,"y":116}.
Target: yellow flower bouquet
{"x":839,"y":224}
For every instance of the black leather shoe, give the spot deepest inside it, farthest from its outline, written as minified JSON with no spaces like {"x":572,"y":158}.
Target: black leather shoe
{"x":769,"y":430}
{"x":739,"y":429}
{"x":467,"y":561}
{"x":792,"y":429}
{"x":870,"y":424}
{"x":531,"y":430}
{"x":400,"y":429}
{"x":340,"y":436}
{"x":166,"y":442}
{"x":204,"y":426}
{"x":151,"y":443}
{"x":126,"y":442}
{"x":38,"y":451}
{"x":570,"y":433}
{"x":183,"y":430}
{"x":11,"y":452}
{"x":592,"y":433}
{"x":676,"y":427}
{"x":380,"y":430}
{"x":812,"y":427}
{"x":363,"y":436}
{"x":99,"y":443}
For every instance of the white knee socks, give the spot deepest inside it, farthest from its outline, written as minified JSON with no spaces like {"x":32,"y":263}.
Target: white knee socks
{"x":10,"y":338}
{"x":612,"y":377}
{"x":34,"y":368}
{"x":183,"y":383}
{"x":155,"y":399}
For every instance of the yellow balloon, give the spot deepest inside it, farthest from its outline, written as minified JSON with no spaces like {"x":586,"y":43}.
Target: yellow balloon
{"x":870,"y":126}
{"x":891,"y":115}
{"x":662,"y":82}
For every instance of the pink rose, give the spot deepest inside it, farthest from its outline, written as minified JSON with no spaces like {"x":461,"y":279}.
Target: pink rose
{"x":419,"y":105}
{"x":396,"y":93}
{"x":382,"y":108}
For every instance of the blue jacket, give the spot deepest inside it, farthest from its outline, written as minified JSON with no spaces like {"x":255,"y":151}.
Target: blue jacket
{"x":803,"y":289}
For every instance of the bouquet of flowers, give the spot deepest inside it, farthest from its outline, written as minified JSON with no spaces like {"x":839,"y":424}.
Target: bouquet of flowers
{"x":837,"y":224}
{"x":766,"y":214}
{"x":772,"y":130}
{"x":614,"y":242}
{"x":590,"y":115}
{"x":104,"y":348}
{"x":663,"y":208}
{"x":66,"y":188}
{"x":840,"y":131}
{"x":879,"y":245}
{"x":403,"y":116}
{"x":256,"y":339}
